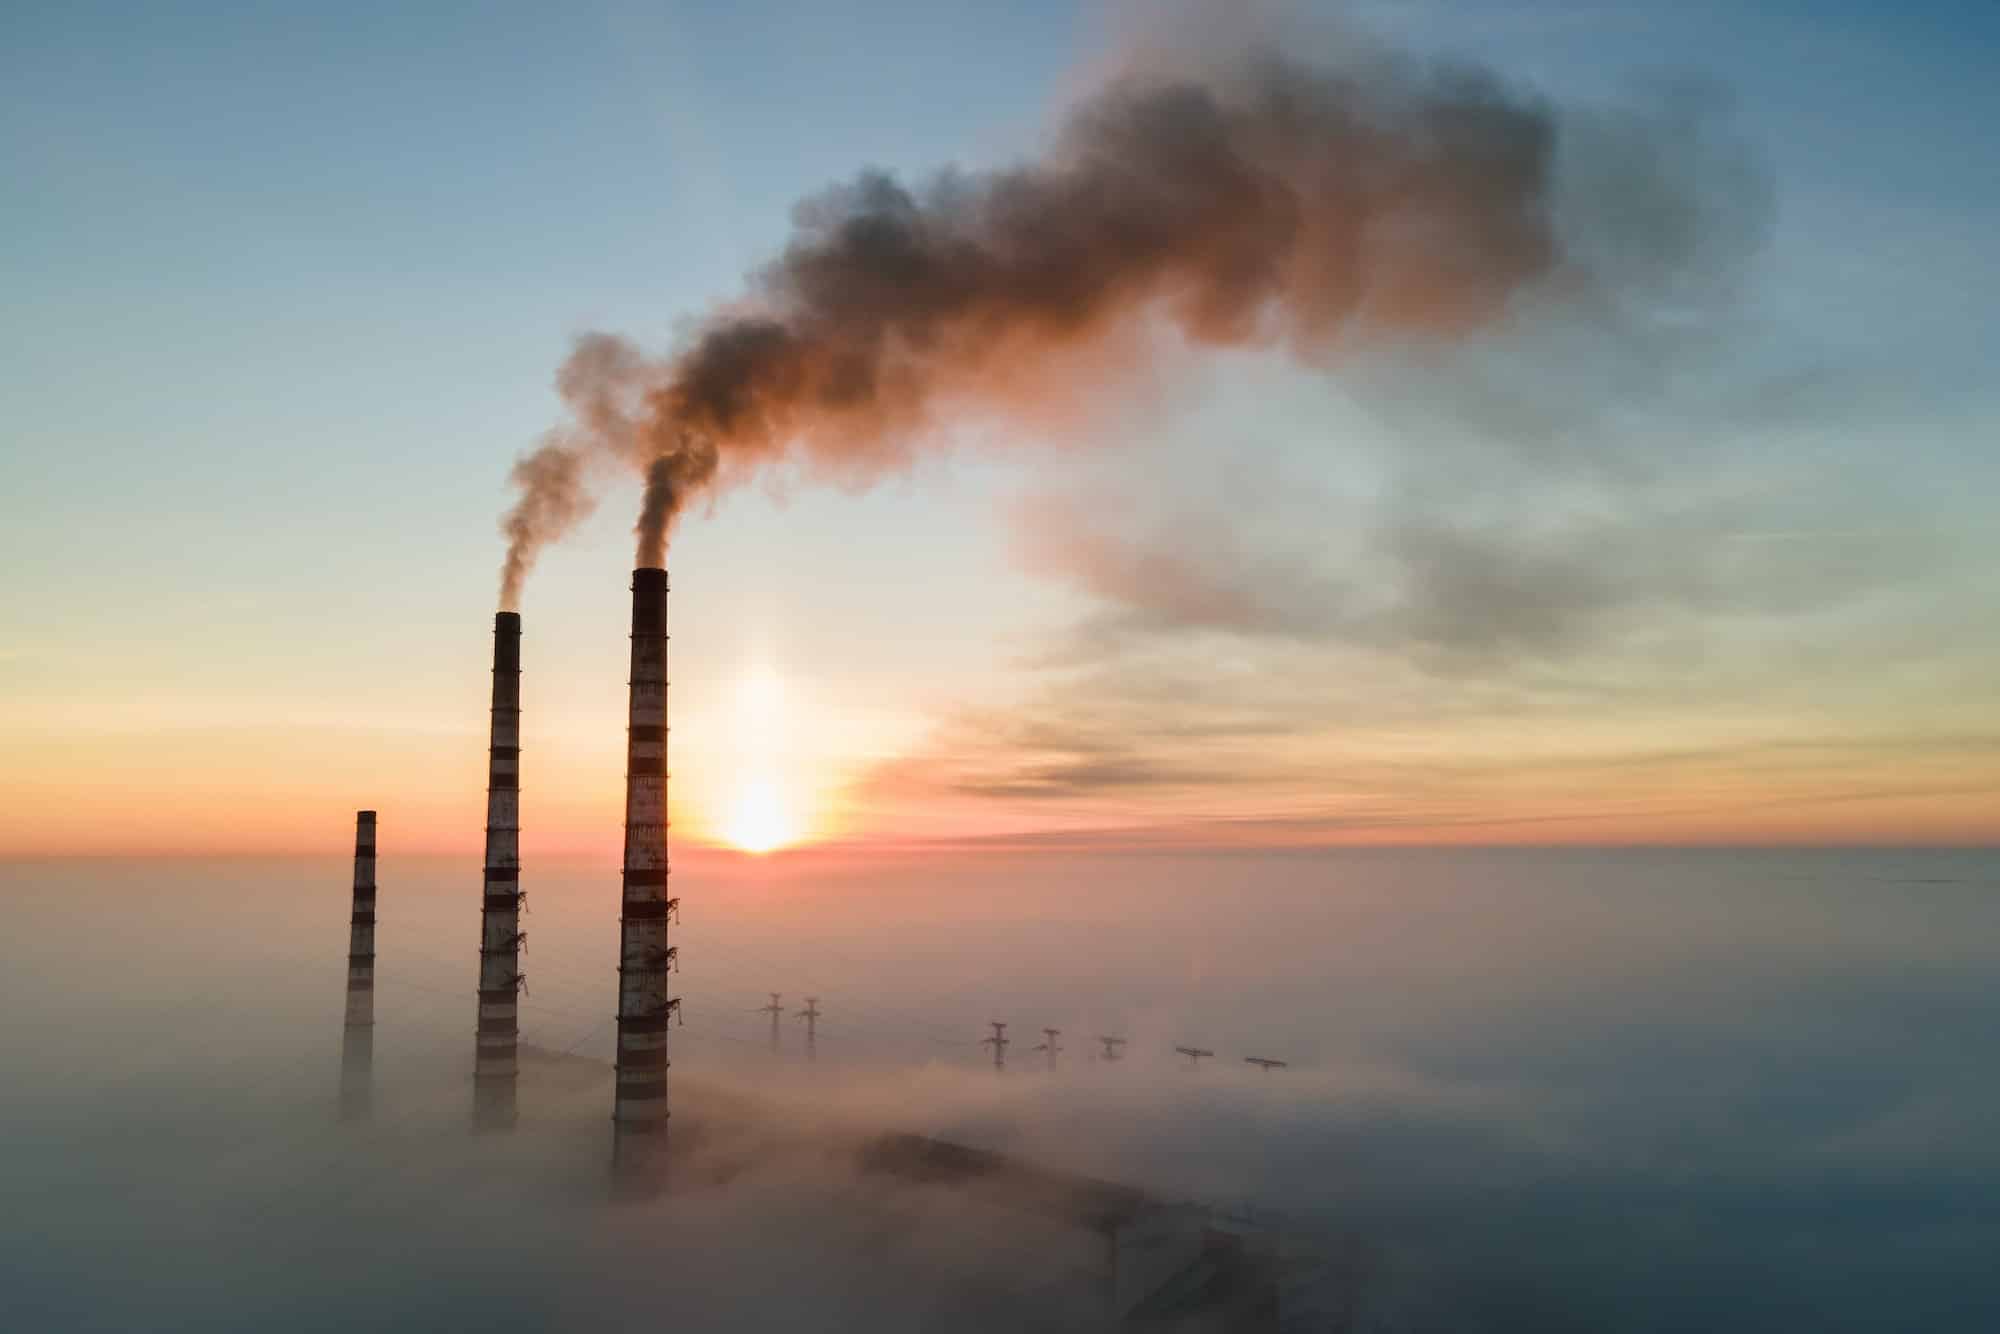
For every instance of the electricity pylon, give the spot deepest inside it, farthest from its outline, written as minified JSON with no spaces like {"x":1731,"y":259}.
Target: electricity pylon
{"x":1111,"y":1046}
{"x":811,"y":1015}
{"x":1265,"y":1063}
{"x":1050,"y":1045}
{"x":1194,"y":1055}
{"x":774,"y":1010}
{"x":999,"y":1044}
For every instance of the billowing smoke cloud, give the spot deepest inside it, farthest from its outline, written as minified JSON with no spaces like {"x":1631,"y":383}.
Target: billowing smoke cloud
{"x":1272,"y":204}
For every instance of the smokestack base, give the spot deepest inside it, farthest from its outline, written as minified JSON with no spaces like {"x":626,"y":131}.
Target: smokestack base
{"x":639,"y":1161}
{"x":357,"y":1073}
{"x":493,"y":1101}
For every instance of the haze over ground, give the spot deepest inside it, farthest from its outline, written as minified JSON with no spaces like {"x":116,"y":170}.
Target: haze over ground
{"x":1634,"y":1091}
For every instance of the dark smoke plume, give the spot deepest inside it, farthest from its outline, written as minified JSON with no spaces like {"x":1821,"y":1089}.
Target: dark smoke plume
{"x":1276,"y":205}
{"x":553,"y":501}
{"x":600,"y":384}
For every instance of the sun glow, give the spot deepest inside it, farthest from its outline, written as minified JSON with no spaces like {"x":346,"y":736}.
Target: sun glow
{"x":761,"y":818}
{"x":760,"y":821}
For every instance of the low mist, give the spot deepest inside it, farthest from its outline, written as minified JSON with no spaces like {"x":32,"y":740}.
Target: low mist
{"x":1526,"y":1090}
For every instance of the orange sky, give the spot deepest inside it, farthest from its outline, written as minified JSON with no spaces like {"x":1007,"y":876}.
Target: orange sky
{"x":256,"y":790}
{"x":1694,"y":550}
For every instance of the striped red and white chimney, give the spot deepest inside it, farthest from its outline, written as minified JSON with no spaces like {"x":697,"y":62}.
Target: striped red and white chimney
{"x":357,"y":1041}
{"x":494,"y":1066}
{"x":644,"y":1006}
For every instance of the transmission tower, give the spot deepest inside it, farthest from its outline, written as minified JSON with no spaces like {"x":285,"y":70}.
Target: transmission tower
{"x":774,"y":1009}
{"x":811,"y":1015}
{"x":1194,"y":1055}
{"x":1050,"y":1045}
{"x":999,"y":1044}
{"x":1265,"y":1063}
{"x":1111,"y":1046}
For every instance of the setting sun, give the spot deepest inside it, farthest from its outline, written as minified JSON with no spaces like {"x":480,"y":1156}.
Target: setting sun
{"x":760,"y":817}
{"x":759,"y":821}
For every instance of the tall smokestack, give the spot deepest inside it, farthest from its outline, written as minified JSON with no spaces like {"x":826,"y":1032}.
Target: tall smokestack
{"x":357,"y":1042}
{"x":493,"y":1070}
{"x":644,"y":1007}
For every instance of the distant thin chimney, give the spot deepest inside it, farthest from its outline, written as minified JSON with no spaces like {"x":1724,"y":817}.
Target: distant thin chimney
{"x":493,"y":1066}
{"x":357,"y":1042}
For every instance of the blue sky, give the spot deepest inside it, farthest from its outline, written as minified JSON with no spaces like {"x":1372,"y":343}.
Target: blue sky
{"x":286,"y":285}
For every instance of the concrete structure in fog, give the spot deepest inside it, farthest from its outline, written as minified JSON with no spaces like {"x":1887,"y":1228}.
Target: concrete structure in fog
{"x":644,"y":1008}
{"x":494,"y":1064}
{"x":357,"y":1039}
